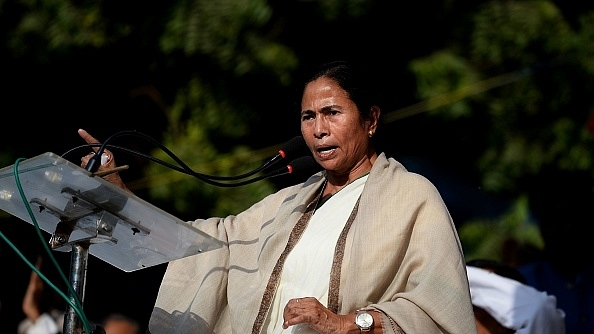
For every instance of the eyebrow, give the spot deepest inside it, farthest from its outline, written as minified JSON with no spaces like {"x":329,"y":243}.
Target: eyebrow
{"x":324,"y":109}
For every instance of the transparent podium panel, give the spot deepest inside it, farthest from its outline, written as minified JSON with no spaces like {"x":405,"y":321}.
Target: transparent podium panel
{"x":75,"y":206}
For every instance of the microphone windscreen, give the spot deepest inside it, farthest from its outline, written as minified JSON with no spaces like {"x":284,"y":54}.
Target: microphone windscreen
{"x":293,"y":147}
{"x":300,"y":164}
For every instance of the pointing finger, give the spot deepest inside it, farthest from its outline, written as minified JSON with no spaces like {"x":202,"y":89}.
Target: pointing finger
{"x":88,"y":138}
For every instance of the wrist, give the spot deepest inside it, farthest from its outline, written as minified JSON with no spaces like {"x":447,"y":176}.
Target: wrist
{"x":364,"y":321}
{"x":347,"y":324}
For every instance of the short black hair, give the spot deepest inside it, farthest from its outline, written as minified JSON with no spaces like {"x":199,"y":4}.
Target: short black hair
{"x":356,"y":81}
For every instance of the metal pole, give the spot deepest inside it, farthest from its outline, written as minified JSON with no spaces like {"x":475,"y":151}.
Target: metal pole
{"x":78,"y":275}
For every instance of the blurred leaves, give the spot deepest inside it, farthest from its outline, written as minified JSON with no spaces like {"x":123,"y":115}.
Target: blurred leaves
{"x":445,"y":79}
{"x":539,"y":118}
{"x":56,"y":26}
{"x":198,"y":115}
{"x":486,"y":238}
{"x":336,"y":9}
{"x":510,"y":85}
{"x":213,"y":46}
{"x":230,"y":33}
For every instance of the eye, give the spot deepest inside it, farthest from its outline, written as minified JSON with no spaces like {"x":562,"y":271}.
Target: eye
{"x":307,"y":115}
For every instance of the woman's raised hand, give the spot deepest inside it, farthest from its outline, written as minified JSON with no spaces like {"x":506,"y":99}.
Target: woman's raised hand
{"x":107,"y":160}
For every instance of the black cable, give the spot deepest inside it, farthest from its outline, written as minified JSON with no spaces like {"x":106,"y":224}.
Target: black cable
{"x":294,"y":146}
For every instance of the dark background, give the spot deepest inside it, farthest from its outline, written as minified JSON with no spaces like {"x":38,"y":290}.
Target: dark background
{"x":45,"y":103}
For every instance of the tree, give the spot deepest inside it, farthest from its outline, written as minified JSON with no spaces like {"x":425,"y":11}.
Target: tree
{"x":519,"y":79}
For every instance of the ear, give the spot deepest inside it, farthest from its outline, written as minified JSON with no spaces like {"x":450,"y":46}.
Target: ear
{"x":374,"y":119}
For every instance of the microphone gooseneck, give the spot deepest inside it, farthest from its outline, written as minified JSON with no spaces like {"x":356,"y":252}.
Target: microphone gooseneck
{"x":299,"y":164}
{"x":295,"y":147}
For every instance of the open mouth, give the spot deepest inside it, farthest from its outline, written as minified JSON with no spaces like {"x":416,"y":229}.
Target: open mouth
{"x":325,"y":151}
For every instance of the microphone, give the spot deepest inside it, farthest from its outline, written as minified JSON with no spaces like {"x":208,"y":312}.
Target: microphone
{"x":95,"y":161}
{"x":299,"y":164}
{"x":294,"y":147}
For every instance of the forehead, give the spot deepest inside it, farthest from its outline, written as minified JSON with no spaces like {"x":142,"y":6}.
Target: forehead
{"x":322,"y":91}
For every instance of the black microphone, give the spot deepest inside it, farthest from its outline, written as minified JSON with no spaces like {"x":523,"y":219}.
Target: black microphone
{"x":95,"y":161}
{"x":294,"y":147}
{"x":299,"y":164}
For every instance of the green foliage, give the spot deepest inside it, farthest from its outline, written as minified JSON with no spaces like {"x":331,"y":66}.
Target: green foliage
{"x":235,"y":40}
{"x":485,"y":238}
{"x":230,"y":33}
{"x":443,"y":79}
{"x":538,"y":113}
{"x":337,"y":9}
{"x":520,"y":74}
{"x":519,"y":33}
{"x":524,"y":77}
{"x":205,"y":52}
{"x":191,"y":196}
{"x":198,"y":112}
{"x":57,"y":26}
{"x":207,"y":109}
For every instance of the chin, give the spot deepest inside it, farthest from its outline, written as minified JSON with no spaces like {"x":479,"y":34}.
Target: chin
{"x":328,"y":167}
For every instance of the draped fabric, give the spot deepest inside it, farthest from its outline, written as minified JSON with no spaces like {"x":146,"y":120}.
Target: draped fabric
{"x":401,"y":256}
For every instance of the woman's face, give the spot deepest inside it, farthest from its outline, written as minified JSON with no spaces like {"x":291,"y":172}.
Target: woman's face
{"x":332,"y":127}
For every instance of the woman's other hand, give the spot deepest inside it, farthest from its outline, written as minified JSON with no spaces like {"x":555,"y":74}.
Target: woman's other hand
{"x":310,"y":312}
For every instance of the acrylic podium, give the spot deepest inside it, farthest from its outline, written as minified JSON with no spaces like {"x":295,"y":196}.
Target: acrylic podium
{"x":87,"y":215}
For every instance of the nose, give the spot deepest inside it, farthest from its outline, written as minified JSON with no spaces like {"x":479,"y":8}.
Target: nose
{"x":320,"y":128}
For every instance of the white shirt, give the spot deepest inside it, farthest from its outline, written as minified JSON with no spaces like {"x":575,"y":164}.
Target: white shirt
{"x":45,"y":324}
{"x":515,"y":305}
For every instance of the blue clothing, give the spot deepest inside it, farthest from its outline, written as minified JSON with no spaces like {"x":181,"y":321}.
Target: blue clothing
{"x":574,"y":296}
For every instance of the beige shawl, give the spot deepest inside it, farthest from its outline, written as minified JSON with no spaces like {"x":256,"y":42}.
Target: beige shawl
{"x":402,"y":257}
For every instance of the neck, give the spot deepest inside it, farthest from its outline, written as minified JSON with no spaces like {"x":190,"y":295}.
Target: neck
{"x":339,"y":180}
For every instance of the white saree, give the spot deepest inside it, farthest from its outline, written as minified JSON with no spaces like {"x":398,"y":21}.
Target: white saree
{"x":306,"y":272}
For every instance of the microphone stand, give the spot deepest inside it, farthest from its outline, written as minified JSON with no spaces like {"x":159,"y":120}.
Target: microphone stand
{"x":78,"y":277}
{"x":81,"y":210}
{"x":91,"y":211}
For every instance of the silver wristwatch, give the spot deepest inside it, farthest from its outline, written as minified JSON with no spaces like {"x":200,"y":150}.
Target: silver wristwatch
{"x":364,"y":320}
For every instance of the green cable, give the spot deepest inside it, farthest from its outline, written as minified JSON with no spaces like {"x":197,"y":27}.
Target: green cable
{"x":77,"y":306}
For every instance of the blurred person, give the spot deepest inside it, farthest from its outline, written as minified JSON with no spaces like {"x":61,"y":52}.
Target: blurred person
{"x":363,"y":246}
{"x":504,"y":304}
{"x":117,"y":323}
{"x":41,"y":316}
{"x":562,"y":202}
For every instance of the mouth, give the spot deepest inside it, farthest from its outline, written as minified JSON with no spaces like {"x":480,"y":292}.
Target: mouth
{"x":325,"y":152}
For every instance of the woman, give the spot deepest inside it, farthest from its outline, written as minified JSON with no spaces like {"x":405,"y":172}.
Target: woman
{"x":362,"y":246}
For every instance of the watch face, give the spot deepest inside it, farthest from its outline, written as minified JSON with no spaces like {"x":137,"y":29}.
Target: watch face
{"x":364,"y":320}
